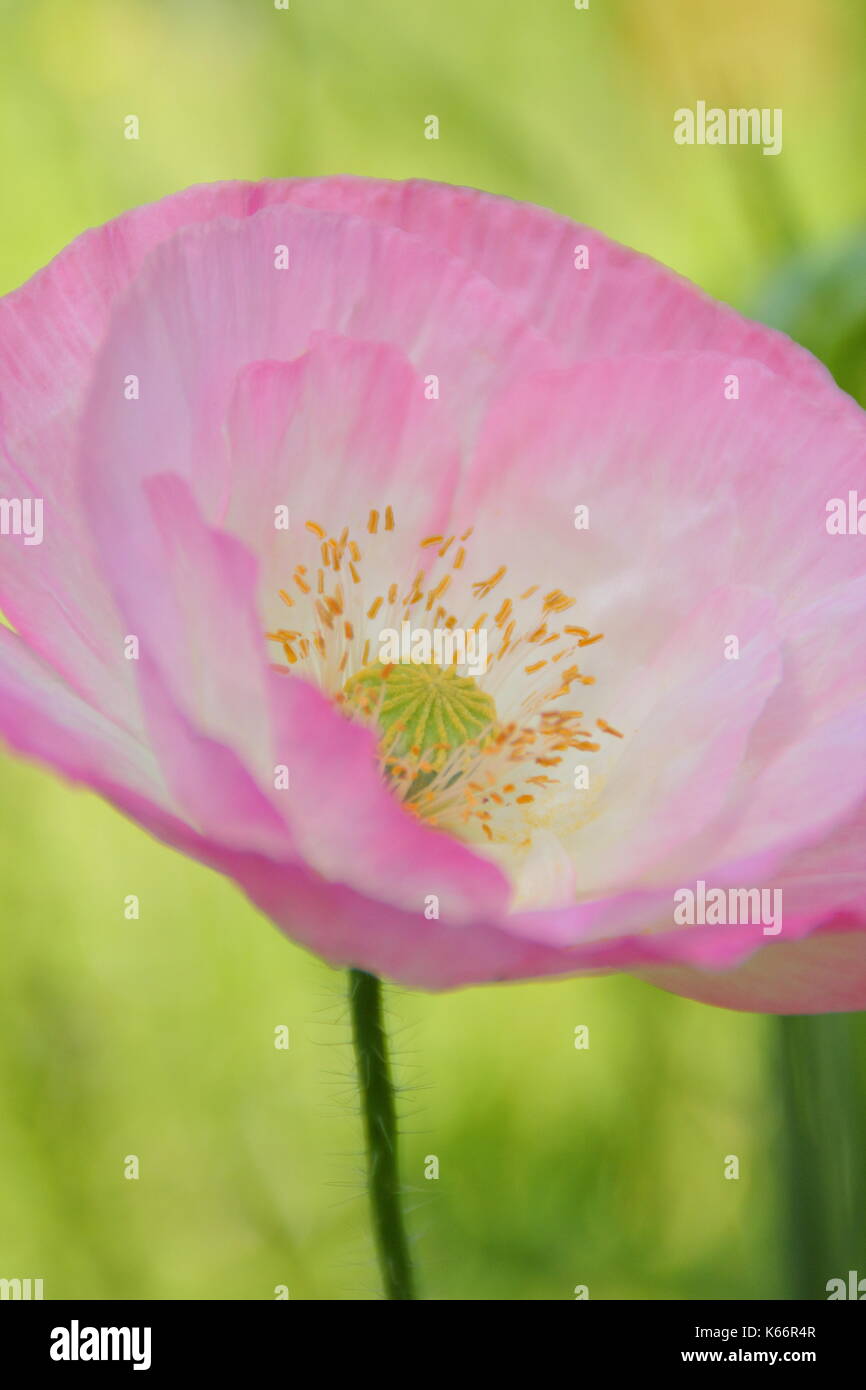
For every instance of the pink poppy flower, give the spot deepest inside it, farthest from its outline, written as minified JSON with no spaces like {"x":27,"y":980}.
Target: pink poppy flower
{"x":270,"y":424}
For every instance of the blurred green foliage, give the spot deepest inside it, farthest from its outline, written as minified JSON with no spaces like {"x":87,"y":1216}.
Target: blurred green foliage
{"x":820,"y":299}
{"x":156,"y":1038}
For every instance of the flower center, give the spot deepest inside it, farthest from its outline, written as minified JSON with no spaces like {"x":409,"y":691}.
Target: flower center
{"x":425,"y":712}
{"x":467,"y":754}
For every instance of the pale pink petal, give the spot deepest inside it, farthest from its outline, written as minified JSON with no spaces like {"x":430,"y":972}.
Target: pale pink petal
{"x":350,"y":828}
{"x":50,"y":332}
{"x":716,"y":491}
{"x":622,"y":302}
{"x":218,"y":796}
{"x":826,"y":973}
{"x":349,"y":929}
{"x":343,"y":430}
{"x":214,"y":299}
{"x":42,"y":718}
{"x":687,"y":716}
{"x":51,"y":590}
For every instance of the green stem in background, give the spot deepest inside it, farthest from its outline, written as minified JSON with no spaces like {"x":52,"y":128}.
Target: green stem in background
{"x":380,"y":1124}
{"x":823,"y":1190}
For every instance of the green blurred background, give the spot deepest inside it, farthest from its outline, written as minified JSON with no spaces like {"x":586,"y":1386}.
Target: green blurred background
{"x":155,"y":1037}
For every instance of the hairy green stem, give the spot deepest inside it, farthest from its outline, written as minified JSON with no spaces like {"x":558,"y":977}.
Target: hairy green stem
{"x":380,"y":1124}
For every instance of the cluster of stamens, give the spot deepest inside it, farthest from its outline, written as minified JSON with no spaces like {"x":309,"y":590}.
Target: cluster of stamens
{"x":490,"y":766}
